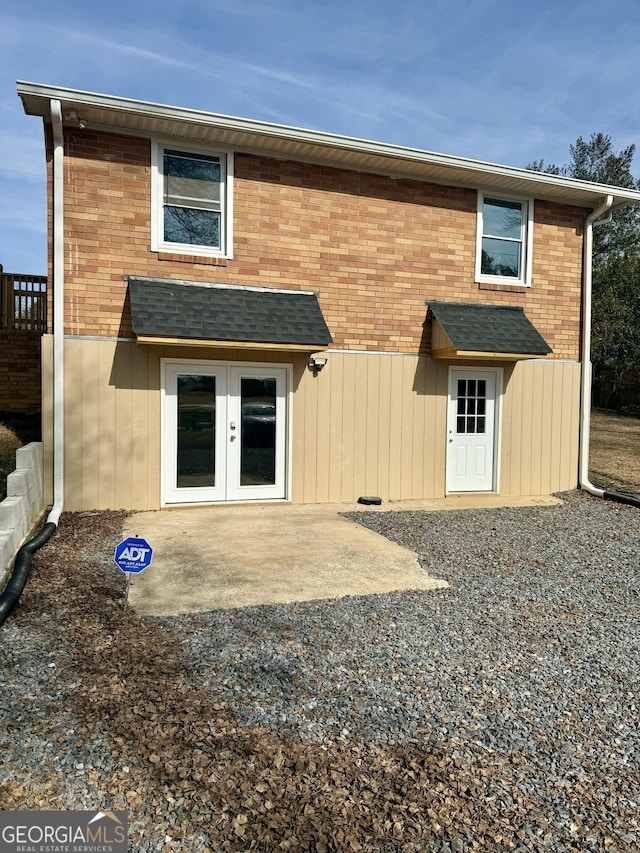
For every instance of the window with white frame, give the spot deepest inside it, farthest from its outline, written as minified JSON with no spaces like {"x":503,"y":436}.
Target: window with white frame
{"x":505,"y":229}
{"x":191,"y":200}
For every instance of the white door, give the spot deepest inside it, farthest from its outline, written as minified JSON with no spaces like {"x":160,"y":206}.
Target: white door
{"x":224,"y":432}
{"x":471,"y":433}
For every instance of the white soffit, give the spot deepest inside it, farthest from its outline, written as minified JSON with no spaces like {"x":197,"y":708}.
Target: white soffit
{"x":148,"y":119}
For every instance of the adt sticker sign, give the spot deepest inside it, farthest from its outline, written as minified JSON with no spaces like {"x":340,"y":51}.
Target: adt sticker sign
{"x":133,"y":555}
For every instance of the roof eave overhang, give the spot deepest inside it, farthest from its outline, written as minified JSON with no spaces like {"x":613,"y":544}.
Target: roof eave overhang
{"x":452,"y":352}
{"x":103,"y":112}
{"x":161,"y":340}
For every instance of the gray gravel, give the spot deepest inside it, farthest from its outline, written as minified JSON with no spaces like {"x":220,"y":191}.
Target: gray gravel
{"x":537,"y":633}
{"x":533,"y":651}
{"x":529,"y":663}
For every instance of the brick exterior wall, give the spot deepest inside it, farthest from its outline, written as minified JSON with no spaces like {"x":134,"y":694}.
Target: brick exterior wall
{"x":20,"y":371}
{"x":375,"y":248}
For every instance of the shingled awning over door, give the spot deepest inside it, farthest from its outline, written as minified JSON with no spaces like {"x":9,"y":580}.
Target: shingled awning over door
{"x":182,"y":312}
{"x":465,"y":330}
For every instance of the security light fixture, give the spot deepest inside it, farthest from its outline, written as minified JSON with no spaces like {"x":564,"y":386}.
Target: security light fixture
{"x":73,"y":116}
{"x":316,"y":363}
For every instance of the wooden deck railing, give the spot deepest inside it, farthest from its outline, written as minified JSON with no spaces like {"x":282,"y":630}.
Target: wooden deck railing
{"x":23,"y":301}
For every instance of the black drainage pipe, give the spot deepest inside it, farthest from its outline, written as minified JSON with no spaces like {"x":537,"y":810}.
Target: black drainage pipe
{"x":622,"y":498}
{"x":21,"y":569}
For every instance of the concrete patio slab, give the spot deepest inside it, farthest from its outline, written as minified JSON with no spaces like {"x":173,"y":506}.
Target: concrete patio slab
{"x":216,"y":557}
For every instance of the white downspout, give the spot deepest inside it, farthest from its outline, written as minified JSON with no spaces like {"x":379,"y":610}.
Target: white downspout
{"x":58,"y":312}
{"x":585,"y":387}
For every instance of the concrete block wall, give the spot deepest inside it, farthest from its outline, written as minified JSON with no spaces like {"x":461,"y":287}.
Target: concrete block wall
{"x":23,"y":504}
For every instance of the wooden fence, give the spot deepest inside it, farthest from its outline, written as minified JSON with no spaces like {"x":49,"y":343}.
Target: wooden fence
{"x":23,"y":302}
{"x":23,"y":321}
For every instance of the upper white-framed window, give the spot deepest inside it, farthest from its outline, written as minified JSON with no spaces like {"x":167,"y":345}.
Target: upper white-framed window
{"x":504,"y":239}
{"x":191,"y":199}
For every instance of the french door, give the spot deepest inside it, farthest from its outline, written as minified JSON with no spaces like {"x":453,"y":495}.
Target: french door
{"x":471,"y":430}
{"x":224,"y":432}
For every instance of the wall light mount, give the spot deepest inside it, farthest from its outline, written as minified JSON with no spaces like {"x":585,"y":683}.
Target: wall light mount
{"x":316,"y":363}
{"x":73,"y":116}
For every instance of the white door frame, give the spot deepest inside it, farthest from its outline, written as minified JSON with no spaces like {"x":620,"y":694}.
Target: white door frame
{"x":498,"y":372}
{"x":229,"y":373}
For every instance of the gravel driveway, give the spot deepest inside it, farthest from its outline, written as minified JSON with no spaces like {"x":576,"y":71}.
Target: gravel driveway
{"x":502,"y":713}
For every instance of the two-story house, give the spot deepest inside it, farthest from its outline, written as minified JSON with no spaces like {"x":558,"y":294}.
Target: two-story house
{"x":246,"y":311}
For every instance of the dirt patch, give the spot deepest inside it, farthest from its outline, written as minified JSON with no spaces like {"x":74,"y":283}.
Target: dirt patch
{"x":615,"y":451}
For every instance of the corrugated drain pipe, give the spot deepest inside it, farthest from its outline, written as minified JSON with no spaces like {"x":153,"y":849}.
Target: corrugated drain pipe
{"x":22,"y":565}
{"x":592,"y":221}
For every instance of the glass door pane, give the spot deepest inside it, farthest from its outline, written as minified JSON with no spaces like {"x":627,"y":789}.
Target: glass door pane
{"x":257,"y":419}
{"x":224,"y":435}
{"x":196,"y":440}
{"x":258,"y":431}
{"x":193,"y":434}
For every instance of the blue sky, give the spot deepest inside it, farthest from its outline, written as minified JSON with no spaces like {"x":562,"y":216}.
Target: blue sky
{"x":507,"y":81}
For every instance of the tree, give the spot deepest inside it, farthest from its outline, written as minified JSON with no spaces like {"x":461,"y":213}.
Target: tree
{"x":616,"y":258}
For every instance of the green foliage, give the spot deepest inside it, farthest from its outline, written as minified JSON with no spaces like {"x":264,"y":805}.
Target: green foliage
{"x":616,"y":253}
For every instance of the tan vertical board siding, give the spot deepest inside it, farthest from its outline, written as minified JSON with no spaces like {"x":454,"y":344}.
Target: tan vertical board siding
{"x":555,"y":456}
{"x":512,"y":427}
{"x":323,"y":434}
{"x":540,"y":421}
{"x":154,"y":414}
{"x":108,"y":465}
{"x":332,"y":377}
{"x":384,"y":426}
{"x":417,"y":473}
{"x":367,"y":424}
{"x":526,"y":427}
{"x":310,"y":459}
{"x":90,"y":452}
{"x":363,"y":417}
{"x":73,"y":421}
{"x":540,"y":437}
{"x":140,"y":424}
{"x":110,"y":442}
{"x":379,"y":415}
{"x":538,"y":452}
{"x":439,"y":402}
{"x":571,"y":391}
{"x":347,"y":451}
{"x":122,"y":377}
{"x":372,"y":385}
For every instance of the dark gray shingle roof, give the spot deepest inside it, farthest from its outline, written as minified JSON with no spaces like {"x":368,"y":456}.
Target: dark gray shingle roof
{"x":180,"y":309}
{"x":489,"y":328}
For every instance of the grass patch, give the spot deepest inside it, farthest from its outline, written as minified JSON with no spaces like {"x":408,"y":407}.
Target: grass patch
{"x":614,"y":459}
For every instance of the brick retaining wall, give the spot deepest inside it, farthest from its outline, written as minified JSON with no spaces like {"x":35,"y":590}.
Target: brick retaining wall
{"x":20,"y":374}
